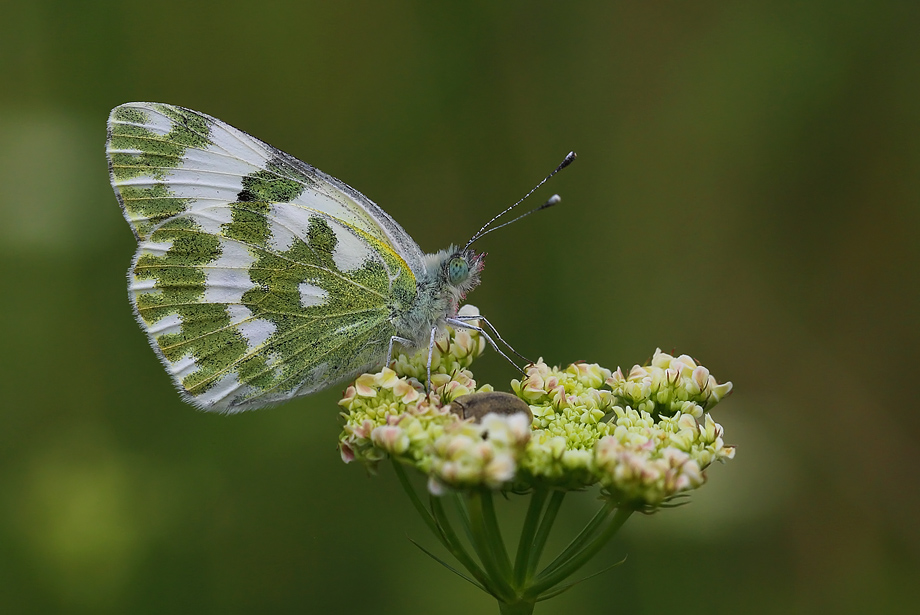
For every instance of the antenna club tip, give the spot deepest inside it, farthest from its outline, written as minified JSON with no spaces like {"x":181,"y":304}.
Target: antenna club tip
{"x":553,"y":200}
{"x":569,"y":159}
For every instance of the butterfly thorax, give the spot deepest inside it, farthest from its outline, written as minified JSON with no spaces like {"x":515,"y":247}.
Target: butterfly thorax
{"x":450,"y":274}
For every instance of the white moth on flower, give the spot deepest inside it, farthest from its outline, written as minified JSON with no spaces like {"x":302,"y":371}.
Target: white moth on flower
{"x":258,"y":278}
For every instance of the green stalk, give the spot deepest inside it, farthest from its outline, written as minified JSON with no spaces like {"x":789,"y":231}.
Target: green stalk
{"x":551,"y":578}
{"x":528,"y":534}
{"x":494,"y":534}
{"x":438,"y":523}
{"x":453,"y":544}
{"x":572,"y":548}
{"x":549,"y":517}
{"x":488,"y":552}
{"x":462,"y":513}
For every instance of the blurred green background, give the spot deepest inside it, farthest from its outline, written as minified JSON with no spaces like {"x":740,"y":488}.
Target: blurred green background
{"x":747,"y":191}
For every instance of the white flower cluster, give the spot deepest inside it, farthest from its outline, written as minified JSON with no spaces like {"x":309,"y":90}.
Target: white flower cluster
{"x":669,"y":384}
{"x":471,"y":454}
{"x":390,"y":416}
{"x":644,"y":437}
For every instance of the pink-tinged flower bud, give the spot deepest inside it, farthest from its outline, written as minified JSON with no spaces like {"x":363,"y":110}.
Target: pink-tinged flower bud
{"x":364,"y":429}
{"x":558,"y":397}
{"x":457,"y":445}
{"x":348,"y":455}
{"x":636,"y":373}
{"x":482,"y":452}
{"x":500,"y":469}
{"x":387,"y":378}
{"x":463,"y":343}
{"x":458,"y":472}
{"x":615,"y":379}
{"x":469,"y":310}
{"x":390,"y":438}
{"x":365,"y":385}
{"x":674,"y":457}
{"x":688,"y":421}
{"x":539,"y":367}
{"x":405,"y":391}
{"x":701,"y":378}
{"x":348,"y":396}
{"x":533,"y":386}
{"x":672,"y":373}
{"x":441,"y":345}
{"x":519,"y":426}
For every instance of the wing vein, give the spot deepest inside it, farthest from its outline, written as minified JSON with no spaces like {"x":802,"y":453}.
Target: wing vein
{"x":263,"y":348}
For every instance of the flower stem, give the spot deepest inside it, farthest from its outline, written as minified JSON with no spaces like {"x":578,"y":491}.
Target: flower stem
{"x":494,"y":534}
{"x":572,"y":548}
{"x":453,"y":544}
{"x":489,"y":547}
{"x":516,"y":588}
{"x":550,"y":578}
{"x":438,"y":523}
{"x":528,"y":534}
{"x":549,"y":517}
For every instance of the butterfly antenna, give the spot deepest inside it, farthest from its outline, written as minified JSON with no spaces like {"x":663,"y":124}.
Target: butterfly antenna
{"x":553,"y":200}
{"x":569,"y":159}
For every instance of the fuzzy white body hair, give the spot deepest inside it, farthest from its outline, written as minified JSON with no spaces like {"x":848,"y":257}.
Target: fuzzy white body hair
{"x":436,"y":298}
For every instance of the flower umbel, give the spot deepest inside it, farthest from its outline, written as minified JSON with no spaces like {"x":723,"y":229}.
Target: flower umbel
{"x":644,"y":438}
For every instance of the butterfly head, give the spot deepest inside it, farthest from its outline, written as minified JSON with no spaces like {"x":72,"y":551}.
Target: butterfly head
{"x":455,"y":271}
{"x":461,"y":271}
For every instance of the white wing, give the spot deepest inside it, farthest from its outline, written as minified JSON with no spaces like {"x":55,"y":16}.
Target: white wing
{"x":257,"y":277}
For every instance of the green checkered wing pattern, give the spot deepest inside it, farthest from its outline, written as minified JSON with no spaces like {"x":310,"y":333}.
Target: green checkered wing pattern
{"x":257,"y":277}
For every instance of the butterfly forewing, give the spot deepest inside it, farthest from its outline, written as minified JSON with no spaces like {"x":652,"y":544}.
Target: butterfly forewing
{"x":257,"y":278}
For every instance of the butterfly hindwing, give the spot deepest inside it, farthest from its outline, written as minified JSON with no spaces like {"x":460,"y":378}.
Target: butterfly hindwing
{"x":257,"y":277}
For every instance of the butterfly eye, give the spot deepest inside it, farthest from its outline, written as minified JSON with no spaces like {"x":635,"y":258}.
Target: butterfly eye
{"x":458,"y":270}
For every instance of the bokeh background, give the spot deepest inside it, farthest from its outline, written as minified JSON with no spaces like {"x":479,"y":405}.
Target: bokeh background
{"x":747,"y":191}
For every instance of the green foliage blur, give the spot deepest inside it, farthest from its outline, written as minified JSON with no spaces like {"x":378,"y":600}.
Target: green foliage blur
{"x":747,"y":191}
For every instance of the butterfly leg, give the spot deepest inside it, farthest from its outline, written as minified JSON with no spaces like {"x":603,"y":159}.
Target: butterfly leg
{"x":464,"y":325}
{"x":434,"y":332}
{"x":405,"y":342}
{"x":496,"y":333}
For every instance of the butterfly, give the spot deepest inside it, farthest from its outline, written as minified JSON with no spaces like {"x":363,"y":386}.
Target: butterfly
{"x":258,"y":278}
